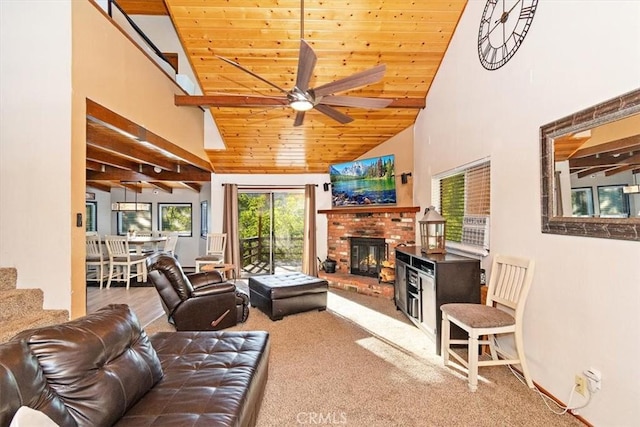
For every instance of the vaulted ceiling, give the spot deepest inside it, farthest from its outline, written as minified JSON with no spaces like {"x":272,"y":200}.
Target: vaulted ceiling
{"x":348,"y":36}
{"x":409,"y":37}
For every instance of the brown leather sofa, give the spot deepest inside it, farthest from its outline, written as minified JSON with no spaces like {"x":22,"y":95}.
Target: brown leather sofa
{"x":199,"y":301}
{"x":103,"y":370}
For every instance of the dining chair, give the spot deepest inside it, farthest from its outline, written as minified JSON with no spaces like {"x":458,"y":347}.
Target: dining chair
{"x":171,"y":242}
{"x":502,"y":314}
{"x":121,"y":258}
{"x":216,"y":246}
{"x":146,"y":247}
{"x":96,"y":263}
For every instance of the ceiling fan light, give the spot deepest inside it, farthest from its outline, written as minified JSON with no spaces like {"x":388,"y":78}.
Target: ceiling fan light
{"x":301,"y":105}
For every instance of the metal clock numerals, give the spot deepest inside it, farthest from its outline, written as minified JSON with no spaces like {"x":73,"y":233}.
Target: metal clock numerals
{"x":503,"y":27}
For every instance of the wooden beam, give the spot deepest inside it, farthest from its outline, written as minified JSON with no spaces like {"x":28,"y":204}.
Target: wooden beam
{"x":630,"y":143}
{"x":257,"y":102}
{"x":132,"y":186}
{"x":122,"y":146}
{"x":143,"y":7}
{"x":98,"y":186}
{"x":591,"y":171}
{"x":112,"y":174}
{"x":95,"y":166}
{"x":615,"y":171}
{"x":121,"y":124}
{"x":193,"y":185}
{"x":164,"y":187}
{"x":97,"y":155}
{"x":173,"y":60}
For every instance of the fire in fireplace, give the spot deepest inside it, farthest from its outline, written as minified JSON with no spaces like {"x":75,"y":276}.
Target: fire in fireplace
{"x":367,"y":254}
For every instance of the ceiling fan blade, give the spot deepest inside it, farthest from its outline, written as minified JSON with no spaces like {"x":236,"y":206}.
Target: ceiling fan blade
{"x":306,"y":63}
{"x":333,"y":113}
{"x":362,"y":78}
{"x":235,"y":64}
{"x":354,"y":101}
{"x":299,"y":118}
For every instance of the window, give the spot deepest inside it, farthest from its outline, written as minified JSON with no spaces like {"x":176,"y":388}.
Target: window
{"x":204,"y":218}
{"x":135,"y":220}
{"x":175,"y":217}
{"x":271,"y":230}
{"x":582,"y":201}
{"x":462,"y":196}
{"x":91,"y":218}
{"x":613,"y":202}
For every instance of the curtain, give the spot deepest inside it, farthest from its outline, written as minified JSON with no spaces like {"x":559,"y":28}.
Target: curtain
{"x":230,"y":226}
{"x":309,"y":249}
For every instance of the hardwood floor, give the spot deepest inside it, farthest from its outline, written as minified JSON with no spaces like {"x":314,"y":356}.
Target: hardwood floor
{"x":145,"y":302}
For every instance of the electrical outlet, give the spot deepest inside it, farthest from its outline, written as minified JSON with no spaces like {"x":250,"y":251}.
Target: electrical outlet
{"x":581,"y":384}
{"x":594,"y":379}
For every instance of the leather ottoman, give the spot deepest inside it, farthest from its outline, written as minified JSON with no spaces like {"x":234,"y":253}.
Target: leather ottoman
{"x":283,"y":294}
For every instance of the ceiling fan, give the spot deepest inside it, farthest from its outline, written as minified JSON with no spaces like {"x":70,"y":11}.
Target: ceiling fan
{"x":302,"y":98}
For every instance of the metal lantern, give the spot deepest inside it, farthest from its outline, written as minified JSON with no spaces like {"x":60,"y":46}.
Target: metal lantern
{"x":432,"y":232}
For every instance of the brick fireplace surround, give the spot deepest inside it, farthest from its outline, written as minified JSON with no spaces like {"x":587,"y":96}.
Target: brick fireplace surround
{"x":395,"y":224}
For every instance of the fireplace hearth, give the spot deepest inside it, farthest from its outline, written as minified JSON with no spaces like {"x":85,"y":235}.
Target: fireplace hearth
{"x":391,"y":224}
{"x":367,"y":254}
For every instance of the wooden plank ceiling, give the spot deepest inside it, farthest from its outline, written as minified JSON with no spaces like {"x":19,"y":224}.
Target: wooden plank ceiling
{"x":410,"y":37}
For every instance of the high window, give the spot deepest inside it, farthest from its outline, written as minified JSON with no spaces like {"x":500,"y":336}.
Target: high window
{"x":91,"y":222}
{"x":462,"y":196}
{"x":135,"y":220}
{"x":204,"y":218}
{"x":175,"y":217}
{"x":613,"y":203}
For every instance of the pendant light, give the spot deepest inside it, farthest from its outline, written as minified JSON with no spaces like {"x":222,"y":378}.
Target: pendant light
{"x":127,"y":206}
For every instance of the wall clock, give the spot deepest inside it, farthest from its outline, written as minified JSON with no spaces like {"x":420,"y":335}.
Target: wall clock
{"x":503,"y":27}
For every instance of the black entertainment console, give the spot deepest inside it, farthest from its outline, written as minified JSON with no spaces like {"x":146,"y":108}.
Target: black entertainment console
{"x":425,"y":282}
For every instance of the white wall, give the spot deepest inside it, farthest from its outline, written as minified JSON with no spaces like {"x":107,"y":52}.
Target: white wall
{"x":323,"y":199}
{"x":35,"y":151}
{"x":160,"y":30}
{"x":584,"y":307}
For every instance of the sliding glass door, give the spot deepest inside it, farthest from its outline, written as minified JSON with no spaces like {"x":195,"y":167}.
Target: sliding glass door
{"x":271,"y":225}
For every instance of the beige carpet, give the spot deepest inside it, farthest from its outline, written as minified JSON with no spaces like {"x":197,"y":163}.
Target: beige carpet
{"x":362,"y":363}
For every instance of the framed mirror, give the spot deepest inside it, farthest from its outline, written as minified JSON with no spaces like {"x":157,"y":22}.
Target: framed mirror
{"x":590,"y":177}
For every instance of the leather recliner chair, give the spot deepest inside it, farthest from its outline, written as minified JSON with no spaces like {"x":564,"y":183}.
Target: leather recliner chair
{"x":199,"y":301}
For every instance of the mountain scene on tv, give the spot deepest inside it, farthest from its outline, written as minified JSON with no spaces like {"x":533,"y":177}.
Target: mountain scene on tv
{"x":364,"y":182}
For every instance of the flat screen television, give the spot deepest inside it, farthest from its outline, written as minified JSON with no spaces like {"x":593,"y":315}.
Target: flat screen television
{"x":363,"y":182}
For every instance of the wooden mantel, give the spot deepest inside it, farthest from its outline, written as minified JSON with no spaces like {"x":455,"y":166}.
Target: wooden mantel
{"x":370,"y":209}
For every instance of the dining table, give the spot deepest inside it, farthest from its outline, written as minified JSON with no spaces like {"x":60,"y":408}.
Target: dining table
{"x":140,"y":241}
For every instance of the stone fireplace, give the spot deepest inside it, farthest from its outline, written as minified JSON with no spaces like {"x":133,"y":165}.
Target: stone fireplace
{"x":390,"y":226}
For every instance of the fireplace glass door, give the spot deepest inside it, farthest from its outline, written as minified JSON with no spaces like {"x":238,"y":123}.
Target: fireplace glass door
{"x":366,"y":255}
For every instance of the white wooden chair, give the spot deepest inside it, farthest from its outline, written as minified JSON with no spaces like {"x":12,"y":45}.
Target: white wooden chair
{"x":171,"y":242}
{"x":122,"y":262}
{"x":509,"y":285}
{"x":216,"y":246}
{"x":146,"y":248}
{"x":96,"y":263}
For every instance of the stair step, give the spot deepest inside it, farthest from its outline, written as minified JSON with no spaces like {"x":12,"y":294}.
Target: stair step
{"x":20,"y":302}
{"x":8,"y":278}
{"x":36,"y":319}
